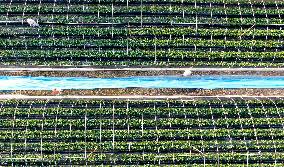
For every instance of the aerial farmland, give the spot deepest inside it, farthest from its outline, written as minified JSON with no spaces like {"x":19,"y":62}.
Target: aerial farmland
{"x":142,"y":83}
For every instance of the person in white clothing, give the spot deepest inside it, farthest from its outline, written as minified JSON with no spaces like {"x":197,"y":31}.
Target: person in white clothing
{"x":32,"y":23}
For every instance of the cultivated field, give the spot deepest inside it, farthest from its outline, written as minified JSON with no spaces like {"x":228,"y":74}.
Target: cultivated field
{"x":227,"y":132}
{"x":136,"y":126}
{"x":145,"y":33}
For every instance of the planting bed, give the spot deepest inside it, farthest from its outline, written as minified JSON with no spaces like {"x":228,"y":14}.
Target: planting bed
{"x":128,"y":72}
{"x":154,"y":92}
{"x":196,"y":131}
{"x":146,"y":33}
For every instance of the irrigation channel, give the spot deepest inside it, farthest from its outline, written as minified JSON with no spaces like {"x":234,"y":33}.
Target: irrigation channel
{"x":198,"y":82}
{"x":196,"y":131}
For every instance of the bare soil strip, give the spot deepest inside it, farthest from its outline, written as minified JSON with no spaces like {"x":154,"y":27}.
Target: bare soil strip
{"x":127,"y":72}
{"x":136,"y":92}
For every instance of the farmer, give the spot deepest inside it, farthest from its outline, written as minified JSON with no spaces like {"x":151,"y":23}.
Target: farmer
{"x":56,"y":92}
{"x":32,"y":23}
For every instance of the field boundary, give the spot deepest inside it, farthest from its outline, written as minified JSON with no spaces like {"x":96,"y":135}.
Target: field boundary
{"x":136,"y":69}
{"x":185,"y":98}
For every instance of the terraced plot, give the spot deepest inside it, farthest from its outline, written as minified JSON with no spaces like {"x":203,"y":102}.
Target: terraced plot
{"x":215,"y":132}
{"x":146,"y":33}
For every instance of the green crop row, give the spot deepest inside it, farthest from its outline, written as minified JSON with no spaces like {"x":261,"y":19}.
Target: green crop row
{"x":131,"y":42}
{"x":214,"y":32}
{"x":71,"y":18}
{"x":145,"y":134}
{"x":181,"y":123}
{"x":140,"y":64}
{"x":122,"y":54}
{"x":221,"y":2}
{"x":202,"y":112}
{"x":147,"y":146}
{"x":145,"y":8}
{"x":155,"y":31}
{"x":124,"y":159}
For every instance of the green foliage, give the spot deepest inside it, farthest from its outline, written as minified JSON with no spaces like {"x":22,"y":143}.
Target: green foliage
{"x":145,"y":132}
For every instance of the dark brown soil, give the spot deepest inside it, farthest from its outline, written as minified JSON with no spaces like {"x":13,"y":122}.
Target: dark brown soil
{"x":127,"y":73}
{"x":157,"y":92}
